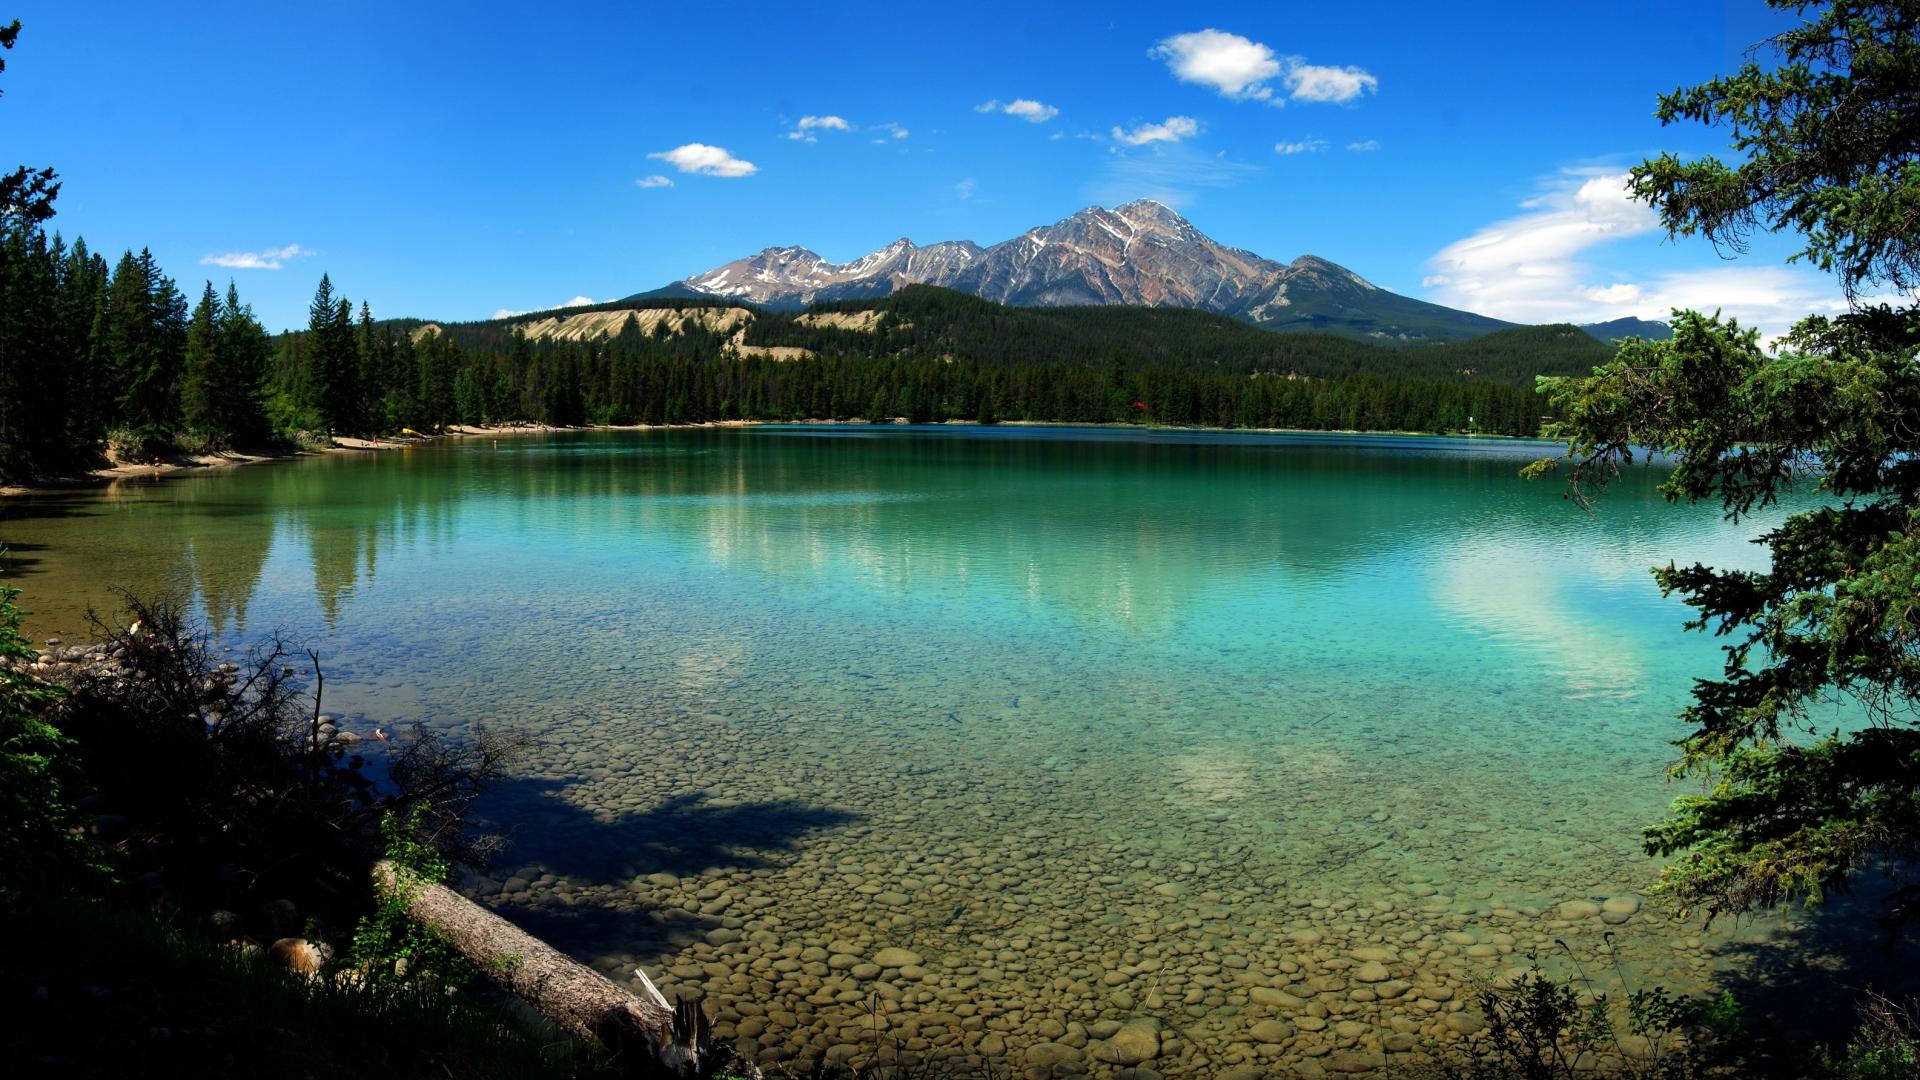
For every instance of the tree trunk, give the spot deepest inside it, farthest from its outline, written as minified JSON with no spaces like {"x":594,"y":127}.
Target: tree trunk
{"x":649,"y":1035}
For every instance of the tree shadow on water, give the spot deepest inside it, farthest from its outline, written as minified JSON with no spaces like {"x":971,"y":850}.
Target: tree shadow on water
{"x":683,"y":836}
{"x":686,"y":834}
{"x":14,"y":561}
{"x":1803,"y":984}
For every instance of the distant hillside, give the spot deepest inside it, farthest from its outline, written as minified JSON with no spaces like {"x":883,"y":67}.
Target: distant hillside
{"x":923,"y":320}
{"x":927,"y":322}
{"x":1629,"y":327}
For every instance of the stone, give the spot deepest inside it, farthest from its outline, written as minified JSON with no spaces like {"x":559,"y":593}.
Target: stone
{"x":1391,"y":989}
{"x":1464,"y":1023}
{"x":896,"y":958}
{"x":1047,"y":1055}
{"x":1577,"y":909}
{"x":1137,"y":1040}
{"x":297,"y":955}
{"x":1271,"y":1031}
{"x":1618,"y":909}
{"x":1625,"y":904}
{"x":1372,"y":971}
{"x":281,"y":918}
{"x":1268,"y":995}
{"x":1355,"y":1061}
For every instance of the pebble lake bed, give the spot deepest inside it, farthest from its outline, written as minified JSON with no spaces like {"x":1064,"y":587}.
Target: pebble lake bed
{"x":1067,"y":751}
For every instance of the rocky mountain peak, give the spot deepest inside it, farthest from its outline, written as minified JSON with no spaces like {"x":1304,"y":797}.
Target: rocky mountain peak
{"x":1141,"y":252}
{"x":1151,"y":210}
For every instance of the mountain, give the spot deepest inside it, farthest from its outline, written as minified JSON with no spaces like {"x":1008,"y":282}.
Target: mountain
{"x":1629,"y":327}
{"x":1141,"y":254}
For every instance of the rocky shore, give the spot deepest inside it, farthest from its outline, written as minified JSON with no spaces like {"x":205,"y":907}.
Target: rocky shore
{"x":1046,"y":953}
{"x":1343,"y":986}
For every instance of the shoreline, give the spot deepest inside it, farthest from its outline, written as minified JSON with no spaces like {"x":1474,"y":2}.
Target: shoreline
{"x":189,"y":463}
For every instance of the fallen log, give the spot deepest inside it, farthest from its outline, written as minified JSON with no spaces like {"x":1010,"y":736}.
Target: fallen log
{"x":650,"y":1036}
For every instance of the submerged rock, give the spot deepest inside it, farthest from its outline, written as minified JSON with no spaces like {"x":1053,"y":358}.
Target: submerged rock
{"x":896,"y":958}
{"x":1137,"y":1040}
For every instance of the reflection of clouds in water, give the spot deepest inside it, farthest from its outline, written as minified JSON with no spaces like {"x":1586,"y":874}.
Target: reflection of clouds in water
{"x":1516,"y":598}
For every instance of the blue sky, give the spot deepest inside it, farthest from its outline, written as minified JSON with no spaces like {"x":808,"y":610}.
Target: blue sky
{"x":454,"y":162}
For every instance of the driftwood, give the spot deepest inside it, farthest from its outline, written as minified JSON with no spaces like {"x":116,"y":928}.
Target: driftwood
{"x":650,"y":1036}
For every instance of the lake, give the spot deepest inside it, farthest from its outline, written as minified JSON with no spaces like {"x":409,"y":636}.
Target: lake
{"x":987,"y":741}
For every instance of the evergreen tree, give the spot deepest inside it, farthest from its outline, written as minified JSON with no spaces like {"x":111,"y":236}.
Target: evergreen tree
{"x":245,"y":353}
{"x":333,"y":360}
{"x":26,"y":195}
{"x":200,"y":377}
{"x":139,"y":340}
{"x":1795,"y":805}
{"x":31,"y":400}
{"x":83,"y":288}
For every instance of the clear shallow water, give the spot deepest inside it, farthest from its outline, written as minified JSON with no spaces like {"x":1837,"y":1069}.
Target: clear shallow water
{"x":1205,"y":729}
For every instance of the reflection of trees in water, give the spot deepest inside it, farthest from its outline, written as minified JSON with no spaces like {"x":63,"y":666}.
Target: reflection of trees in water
{"x":1128,"y":531}
{"x":347,"y":520}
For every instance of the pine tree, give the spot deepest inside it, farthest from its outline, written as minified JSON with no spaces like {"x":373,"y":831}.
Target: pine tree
{"x":333,"y":360}
{"x":139,"y":342}
{"x":200,"y":378}
{"x":245,"y":353}
{"x":1799,"y":800}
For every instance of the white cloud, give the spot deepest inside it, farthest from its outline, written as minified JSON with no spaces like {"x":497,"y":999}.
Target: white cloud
{"x":1241,"y":68}
{"x":1304,"y":146}
{"x":1618,"y":293}
{"x":1313,"y":82}
{"x":1172,"y":129}
{"x":1033,"y":112}
{"x":1364,"y":146}
{"x":503,"y":313}
{"x":653,"y":182}
{"x":1535,"y":268}
{"x":893,"y":130}
{"x":803,"y":131}
{"x":704,"y":160}
{"x":270,"y":259}
{"x":578,"y":301}
{"x":1235,"y":66}
{"x":964,"y":189}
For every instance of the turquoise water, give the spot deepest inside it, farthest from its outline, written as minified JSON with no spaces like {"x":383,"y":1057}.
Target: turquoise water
{"x":1101,"y":726}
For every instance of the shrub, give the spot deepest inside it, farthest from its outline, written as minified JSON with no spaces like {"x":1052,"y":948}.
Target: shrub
{"x":389,"y":945}
{"x":1541,"y":1028}
{"x":1885,"y":1045}
{"x":38,"y":823}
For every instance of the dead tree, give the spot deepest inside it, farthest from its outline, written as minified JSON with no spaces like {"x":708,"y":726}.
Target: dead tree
{"x":652,"y":1037}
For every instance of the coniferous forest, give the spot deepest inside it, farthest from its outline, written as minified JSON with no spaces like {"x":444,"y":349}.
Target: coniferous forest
{"x":114,"y":357}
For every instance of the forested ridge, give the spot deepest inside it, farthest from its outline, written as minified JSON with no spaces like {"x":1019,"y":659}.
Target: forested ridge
{"x":115,"y":357}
